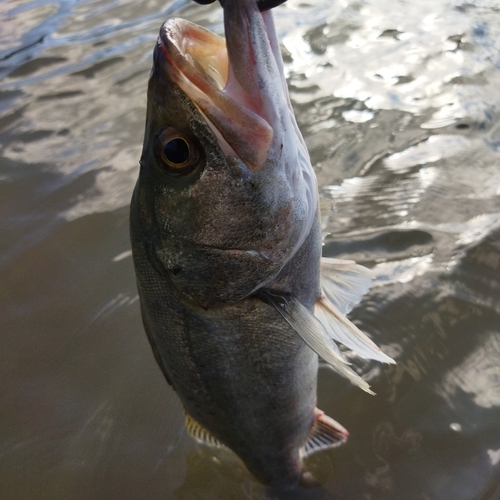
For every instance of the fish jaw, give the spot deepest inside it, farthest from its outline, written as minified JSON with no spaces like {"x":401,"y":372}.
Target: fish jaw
{"x":198,"y":62}
{"x":240,"y":88}
{"x":256,"y":72}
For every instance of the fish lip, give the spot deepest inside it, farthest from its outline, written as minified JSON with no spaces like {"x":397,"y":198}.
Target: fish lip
{"x":197,"y":61}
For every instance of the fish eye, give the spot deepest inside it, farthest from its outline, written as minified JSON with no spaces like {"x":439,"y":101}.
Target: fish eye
{"x":176,"y":152}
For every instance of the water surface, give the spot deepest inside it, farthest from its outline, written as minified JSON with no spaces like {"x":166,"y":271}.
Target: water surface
{"x":399,"y":105}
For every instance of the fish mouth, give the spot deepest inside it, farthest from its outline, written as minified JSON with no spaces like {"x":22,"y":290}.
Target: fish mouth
{"x":235,"y":85}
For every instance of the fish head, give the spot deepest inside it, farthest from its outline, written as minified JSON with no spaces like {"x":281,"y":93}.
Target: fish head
{"x":226,"y":194}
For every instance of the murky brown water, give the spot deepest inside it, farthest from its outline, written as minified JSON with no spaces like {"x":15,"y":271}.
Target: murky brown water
{"x":399,"y":104}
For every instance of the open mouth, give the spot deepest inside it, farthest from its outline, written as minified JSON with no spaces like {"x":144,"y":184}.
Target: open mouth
{"x":199,"y":54}
{"x":198,"y":62}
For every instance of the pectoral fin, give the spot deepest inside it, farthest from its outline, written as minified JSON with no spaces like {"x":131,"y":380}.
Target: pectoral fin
{"x":339,"y":328}
{"x":344,"y":282}
{"x":325,"y":433}
{"x":313,"y":333}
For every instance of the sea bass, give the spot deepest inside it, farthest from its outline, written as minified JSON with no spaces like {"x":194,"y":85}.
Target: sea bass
{"x":236,"y":300}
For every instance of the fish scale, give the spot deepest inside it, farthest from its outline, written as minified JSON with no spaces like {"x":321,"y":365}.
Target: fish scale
{"x":226,"y":241}
{"x":251,"y":378}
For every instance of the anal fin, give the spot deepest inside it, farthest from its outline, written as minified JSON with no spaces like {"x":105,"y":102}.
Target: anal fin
{"x":200,"y":434}
{"x":325,"y":433}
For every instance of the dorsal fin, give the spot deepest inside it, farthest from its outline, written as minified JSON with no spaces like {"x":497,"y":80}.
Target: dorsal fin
{"x":325,"y":433}
{"x":313,"y":333}
{"x":200,"y":434}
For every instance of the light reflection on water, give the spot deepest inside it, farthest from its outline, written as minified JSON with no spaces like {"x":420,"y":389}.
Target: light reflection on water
{"x":399,"y":104}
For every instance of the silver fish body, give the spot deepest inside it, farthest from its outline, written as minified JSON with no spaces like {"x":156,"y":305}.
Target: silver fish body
{"x":226,"y":241}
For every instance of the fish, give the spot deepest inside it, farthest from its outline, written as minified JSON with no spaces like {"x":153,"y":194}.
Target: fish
{"x":236,"y":299}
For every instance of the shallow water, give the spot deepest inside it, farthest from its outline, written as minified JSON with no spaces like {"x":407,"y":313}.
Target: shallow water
{"x":399,"y":105}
